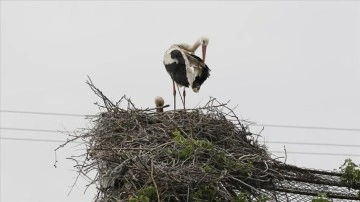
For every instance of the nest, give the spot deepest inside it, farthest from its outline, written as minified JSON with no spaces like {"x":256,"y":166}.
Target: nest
{"x":194,"y":155}
{"x":203,"y":154}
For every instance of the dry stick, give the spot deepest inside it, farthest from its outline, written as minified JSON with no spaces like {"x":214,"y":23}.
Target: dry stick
{"x":234,"y":115}
{"x":152,"y":177}
{"x":285,"y":155}
{"x":101,"y":95}
{"x":251,"y":187}
{"x":63,"y":145}
{"x":79,"y":172}
{"x":176,"y":125}
{"x":130,"y":103}
{"x":154,"y":108}
{"x":258,"y":135}
{"x":55,"y":159}
{"x":215,"y":106}
{"x":120,"y":100}
{"x":188,"y":193}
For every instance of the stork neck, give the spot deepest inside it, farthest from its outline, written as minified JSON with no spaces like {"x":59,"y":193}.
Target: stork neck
{"x":192,"y":48}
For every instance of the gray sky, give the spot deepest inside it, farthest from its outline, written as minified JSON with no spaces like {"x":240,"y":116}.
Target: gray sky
{"x":288,"y":63}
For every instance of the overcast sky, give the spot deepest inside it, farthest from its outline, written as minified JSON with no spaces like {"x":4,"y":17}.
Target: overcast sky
{"x":282,"y":63}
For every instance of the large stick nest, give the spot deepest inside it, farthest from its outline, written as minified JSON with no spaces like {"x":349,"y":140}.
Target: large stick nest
{"x":203,"y":154}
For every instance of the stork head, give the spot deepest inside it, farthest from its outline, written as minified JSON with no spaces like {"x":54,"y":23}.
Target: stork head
{"x":204,"y":41}
{"x":196,"y":86}
{"x":159,"y":102}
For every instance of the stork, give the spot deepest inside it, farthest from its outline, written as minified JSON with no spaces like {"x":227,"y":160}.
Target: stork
{"x":159,"y":103}
{"x":185,"y":68}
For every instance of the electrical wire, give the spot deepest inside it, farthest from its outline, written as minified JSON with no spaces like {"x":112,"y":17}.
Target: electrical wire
{"x":37,"y":140}
{"x":316,"y":153}
{"x":262,"y":125}
{"x":42,"y":113}
{"x":266,"y":142}
{"x":279,"y":152}
{"x":307,"y":127}
{"x":313,"y":144}
{"x":254,"y":124}
{"x":34,"y":130}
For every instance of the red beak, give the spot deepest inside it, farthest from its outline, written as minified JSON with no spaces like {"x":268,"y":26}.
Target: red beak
{"x":203,"y":53}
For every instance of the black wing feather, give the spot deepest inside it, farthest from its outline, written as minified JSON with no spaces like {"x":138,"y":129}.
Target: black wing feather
{"x":177,"y":71}
{"x":205,"y":70}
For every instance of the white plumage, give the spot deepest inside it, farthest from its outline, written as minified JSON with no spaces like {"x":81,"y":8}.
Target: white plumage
{"x":185,"y":68}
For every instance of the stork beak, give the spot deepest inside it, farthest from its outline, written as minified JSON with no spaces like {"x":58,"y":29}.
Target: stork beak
{"x":203,"y":53}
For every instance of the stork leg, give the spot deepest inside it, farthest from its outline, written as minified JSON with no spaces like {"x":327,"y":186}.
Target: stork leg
{"x":184,"y":94}
{"x":174,"y":93}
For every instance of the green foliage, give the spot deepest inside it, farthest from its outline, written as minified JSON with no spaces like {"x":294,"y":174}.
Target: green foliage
{"x":321,"y":198}
{"x":140,"y":199}
{"x":225,"y":162}
{"x":189,"y":146}
{"x":350,"y":172}
{"x":209,"y":168}
{"x":178,"y":137}
{"x":186,"y":147}
{"x":205,"y":193}
{"x":245,"y":168}
{"x":358,"y":194}
{"x":220,"y":157}
{"x":144,"y":195}
{"x":242,"y":197}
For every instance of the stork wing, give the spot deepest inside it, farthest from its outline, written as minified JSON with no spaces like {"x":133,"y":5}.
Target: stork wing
{"x":195,"y":61}
{"x":199,"y":64}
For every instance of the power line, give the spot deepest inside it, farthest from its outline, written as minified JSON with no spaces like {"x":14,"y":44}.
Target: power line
{"x":34,"y":130}
{"x":316,"y":153}
{"x":43,"y":113}
{"x":314,"y":144}
{"x":36,"y":140}
{"x":266,"y":142}
{"x":280,"y":152}
{"x":37,"y":130}
{"x":254,"y":124}
{"x":307,"y":127}
{"x":59,"y":131}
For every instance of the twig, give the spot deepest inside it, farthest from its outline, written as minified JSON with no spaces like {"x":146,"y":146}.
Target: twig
{"x":285,"y":154}
{"x":253,"y":188}
{"x":152,"y":177}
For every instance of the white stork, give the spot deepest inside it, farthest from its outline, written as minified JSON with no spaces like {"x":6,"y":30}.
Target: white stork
{"x":185,"y":68}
